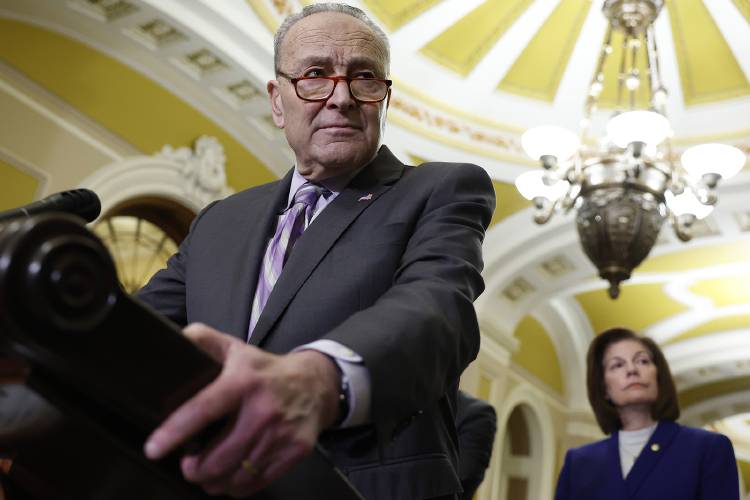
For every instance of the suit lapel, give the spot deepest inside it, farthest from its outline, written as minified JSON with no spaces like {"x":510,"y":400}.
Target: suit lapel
{"x":249,"y":246}
{"x":613,"y":466}
{"x":650,"y":456}
{"x":320,"y":236}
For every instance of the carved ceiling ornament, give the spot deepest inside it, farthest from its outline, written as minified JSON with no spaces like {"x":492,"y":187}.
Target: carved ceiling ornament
{"x":202,"y":168}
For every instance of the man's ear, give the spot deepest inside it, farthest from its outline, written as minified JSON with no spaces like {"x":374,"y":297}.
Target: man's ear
{"x":277,"y":106}
{"x":388,"y":99}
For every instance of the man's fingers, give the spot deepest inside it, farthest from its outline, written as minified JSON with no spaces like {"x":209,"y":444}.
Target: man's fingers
{"x":210,"y":340}
{"x":254,"y":475}
{"x":209,"y":405}
{"x":254,"y":425}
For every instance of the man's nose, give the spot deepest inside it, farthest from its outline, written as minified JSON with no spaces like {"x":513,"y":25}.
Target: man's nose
{"x":341,"y":95}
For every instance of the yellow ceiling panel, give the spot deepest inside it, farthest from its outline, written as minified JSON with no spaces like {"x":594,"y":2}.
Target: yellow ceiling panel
{"x":638,"y":307}
{"x":464,"y":44}
{"x":609,"y":95}
{"x":718,"y":325}
{"x":130,"y":105}
{"x":538,"y":70}
{"x":709,"y":71}
{"x":395,"y":13}
{"x":696,"y":258}
{"x":16,"y":187}
{"x":725,"y":291}
{"x":744,"y":7}
{"x":416,"y":160}
{"x":704,"y":392}
{"x":745,"y":472}
{"x":267,"y":17}
{"x":537,"y":354}
{"x":508,"y":201}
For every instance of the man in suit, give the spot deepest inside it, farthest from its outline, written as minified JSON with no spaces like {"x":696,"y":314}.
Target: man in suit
{"x":476,"y":423}
{"x":338,"y":299}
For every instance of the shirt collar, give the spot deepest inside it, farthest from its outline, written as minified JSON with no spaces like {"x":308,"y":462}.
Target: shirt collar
{"x":333,"y":184}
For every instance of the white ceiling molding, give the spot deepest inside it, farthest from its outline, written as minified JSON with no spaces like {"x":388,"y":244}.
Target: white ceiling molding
{"x":722,"y":350}
{"x":715,"y":409}
{"x":568,"y":332}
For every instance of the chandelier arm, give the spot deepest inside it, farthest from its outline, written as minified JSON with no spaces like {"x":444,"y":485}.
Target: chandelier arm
{"x":649,"y":68}
{"x":621,"y":71}
{"x":651,"y":38}
{"x":708,"y":196}
{"x":652,"y":65}
{"x":544,"y":209}
{"x":596,"y":84}
{"x":681,"y":227}
{"x":634,"y":42}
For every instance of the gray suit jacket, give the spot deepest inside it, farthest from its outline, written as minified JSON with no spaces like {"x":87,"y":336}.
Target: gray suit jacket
{"x":390,"y":269}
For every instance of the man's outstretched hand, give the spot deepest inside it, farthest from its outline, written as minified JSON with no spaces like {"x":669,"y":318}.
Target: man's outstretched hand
{"x":275,"y":407}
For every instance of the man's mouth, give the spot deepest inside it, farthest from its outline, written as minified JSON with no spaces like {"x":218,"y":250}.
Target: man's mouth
{"x":340,"y":126}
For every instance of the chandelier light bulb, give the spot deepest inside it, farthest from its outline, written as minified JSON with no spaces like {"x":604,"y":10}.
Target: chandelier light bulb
{"x":632,"y":82}
{"x":648,"y":127}
{"x":687,"y":203}
{"x":550,"y":140}
{"x":534,"y":184}
{"x":660,"y":96}
{"x":718,"y":159}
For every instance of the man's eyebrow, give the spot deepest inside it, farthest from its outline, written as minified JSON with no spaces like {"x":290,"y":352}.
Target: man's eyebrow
{"x":353,"y":63}
{"x":314,"y":60}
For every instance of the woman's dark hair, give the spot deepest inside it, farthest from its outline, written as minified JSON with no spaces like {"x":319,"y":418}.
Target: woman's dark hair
{"x":666,"y":406}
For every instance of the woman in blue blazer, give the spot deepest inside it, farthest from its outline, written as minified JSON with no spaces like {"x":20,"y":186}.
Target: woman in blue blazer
{"x":647,"y":456}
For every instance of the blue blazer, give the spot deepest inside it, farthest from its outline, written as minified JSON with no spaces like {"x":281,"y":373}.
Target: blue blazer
{"x":677,"y":463}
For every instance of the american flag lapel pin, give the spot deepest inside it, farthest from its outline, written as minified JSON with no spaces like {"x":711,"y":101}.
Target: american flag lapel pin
{"x":367,"y":197}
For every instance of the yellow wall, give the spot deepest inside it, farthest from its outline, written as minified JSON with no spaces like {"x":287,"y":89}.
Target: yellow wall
{"x":135,"y":108}
{"x":508,"y":201}
{"x":16,"y":188}
{"x":537,"y":354}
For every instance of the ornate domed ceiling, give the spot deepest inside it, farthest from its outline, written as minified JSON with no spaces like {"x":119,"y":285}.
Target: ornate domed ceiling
{"x":469,"y":77}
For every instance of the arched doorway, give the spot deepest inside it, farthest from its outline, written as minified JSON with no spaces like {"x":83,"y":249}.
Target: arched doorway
{"x":521,"y":464}
{"x":141,"y":234}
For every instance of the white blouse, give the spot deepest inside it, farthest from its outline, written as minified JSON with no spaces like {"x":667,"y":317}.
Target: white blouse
{"x":631,"y":443}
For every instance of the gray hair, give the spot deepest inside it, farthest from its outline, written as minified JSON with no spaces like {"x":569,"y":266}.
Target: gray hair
{"x":328,"y":7}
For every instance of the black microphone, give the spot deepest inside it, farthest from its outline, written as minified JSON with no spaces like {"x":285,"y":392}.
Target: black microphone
{"x":81,"y":202}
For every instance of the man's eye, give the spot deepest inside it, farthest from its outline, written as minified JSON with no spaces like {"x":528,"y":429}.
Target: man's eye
{"x":313,"y":72}
{"x":365,"y":74}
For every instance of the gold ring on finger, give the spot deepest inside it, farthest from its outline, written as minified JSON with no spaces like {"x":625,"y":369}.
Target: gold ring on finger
{"x":249,"y":467}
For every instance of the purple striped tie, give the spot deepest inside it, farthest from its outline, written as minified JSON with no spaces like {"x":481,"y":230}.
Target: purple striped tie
{"x":289,"y":228}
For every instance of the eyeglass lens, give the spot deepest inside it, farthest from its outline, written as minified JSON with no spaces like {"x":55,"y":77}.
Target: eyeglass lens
{"x":362,"y":89}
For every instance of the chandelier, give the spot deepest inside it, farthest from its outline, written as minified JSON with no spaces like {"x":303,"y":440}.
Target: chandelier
{"x":627,"y":184}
